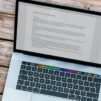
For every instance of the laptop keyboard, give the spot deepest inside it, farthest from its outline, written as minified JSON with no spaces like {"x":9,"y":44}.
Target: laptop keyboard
{"x":59,"y":82}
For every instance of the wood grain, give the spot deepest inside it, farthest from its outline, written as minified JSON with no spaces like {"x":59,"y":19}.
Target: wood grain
{"x":6,"y":48}
{"x":85,"y":4}
{"x":3,"y":75}
{"x":0,"y":97}
{"x":6,"y":26}
{"x":8,"y":6}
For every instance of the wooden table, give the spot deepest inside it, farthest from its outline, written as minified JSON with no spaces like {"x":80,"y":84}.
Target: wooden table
{"x":7,"y":8}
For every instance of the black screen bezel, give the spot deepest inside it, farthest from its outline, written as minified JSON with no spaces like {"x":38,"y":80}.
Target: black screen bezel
{"x":50,"y":56}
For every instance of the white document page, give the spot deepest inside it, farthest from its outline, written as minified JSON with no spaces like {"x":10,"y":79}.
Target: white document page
{"x":59,"y":33}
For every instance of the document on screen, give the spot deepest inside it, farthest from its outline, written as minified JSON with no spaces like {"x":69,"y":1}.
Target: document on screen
{"x":54,"y":32}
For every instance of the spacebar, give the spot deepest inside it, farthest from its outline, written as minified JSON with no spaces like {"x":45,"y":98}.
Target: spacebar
{"x":46,"y":92}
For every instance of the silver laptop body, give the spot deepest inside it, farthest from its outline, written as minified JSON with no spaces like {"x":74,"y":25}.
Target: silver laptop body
{"x":63,"y":39}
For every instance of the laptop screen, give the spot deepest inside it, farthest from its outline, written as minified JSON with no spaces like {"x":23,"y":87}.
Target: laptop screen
{"x":59,"y":32}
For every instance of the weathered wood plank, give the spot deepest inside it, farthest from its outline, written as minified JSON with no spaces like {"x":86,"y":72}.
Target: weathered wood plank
{"x":3,"y":75}
{"x":85,"y":4}
{"x":6,"y":26}
{"x":8,"y":6}
{"x":0,"y":97}
{"x":6,"y":49}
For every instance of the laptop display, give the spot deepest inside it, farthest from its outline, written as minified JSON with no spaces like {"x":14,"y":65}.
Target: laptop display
{"x":59,"y":32}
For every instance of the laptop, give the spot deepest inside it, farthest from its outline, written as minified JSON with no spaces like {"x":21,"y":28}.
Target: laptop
{"x":57,"y":54}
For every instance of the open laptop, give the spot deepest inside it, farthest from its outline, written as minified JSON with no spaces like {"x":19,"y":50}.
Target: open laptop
{"x":57,"y":52}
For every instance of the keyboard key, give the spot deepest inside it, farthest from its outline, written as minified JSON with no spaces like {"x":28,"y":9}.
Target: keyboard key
{"x":47,"y":81}
{"x":49,"y":87}
{"x":24,"y":63}
{"x":53,"y":82}
{"x":70,"y":96}
{"x":71,"y":91}
{"x":80,"y":82}
{"x":75,"y":87}
{"x":70,"y":85}
{"x":23,"y":77}
{"x":81,"y":87}
{"x":67,"y":74}
{"x":62,"y":73}
{"x":86,"y":83}
{"x":47,"y":76}
{"x":73,"y":75}
{"x":18,"y":87}
{"x":32,"y":64}
{"x":23,"y":67}
{"x":95,"y":95}
{"x":32,"y":84}
{"x":26,"y":83}
{"x":64,"y":84}
{"x":52,"y":77}
{"x":38,"y":85}
{"x":58,"y":78}
{"x":90,"y":78}
{"x":92,"y":89}
{"x":36,"y":74}
{"x":78,"y":98}
{"x":23,"y":72}
{"x":34,"y":68}
{"x":87,"y":88}
{"x":64,"y":79}
{"x":75,"y":81}
{"x":42,"y":80}
{"x":24,"y":88}
{"x":51,"y":72}
{"x":77,"y":92}
{"x":30,"y":78}
{"x":92,"y":84}
{"x":20,"y":82}
{"x":97,"y":80}
{"x":95,"y":99}
{"x":36,"y":90}
{"x":56,"y":73}
{"x":27,"y":63}
{"x":52,"y":93}
{"x":97,"y":85}
{"x":83,"y":99}
{"x":78,"y":76}
{"x":45,"y":70}
{"x":55,"y":88}
{"x":39,"y":69}
{"x":28,"y":68}
{"x":92,"y":95}
{"x":69,"y":80}
{"x":89,"y":99}
{"x":43,"y":86}
{"x":30,"y":89}
{"x":84,"y":78}
{"x":30,"y":73}
{"x":83,"y":93}
{"x":58,"y":84}
{"x":60,"y":89}
{"x":36,"y":79}
{"x":41,"y":75}
{"x":66,"y":90}
{"x":97,"y":90}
